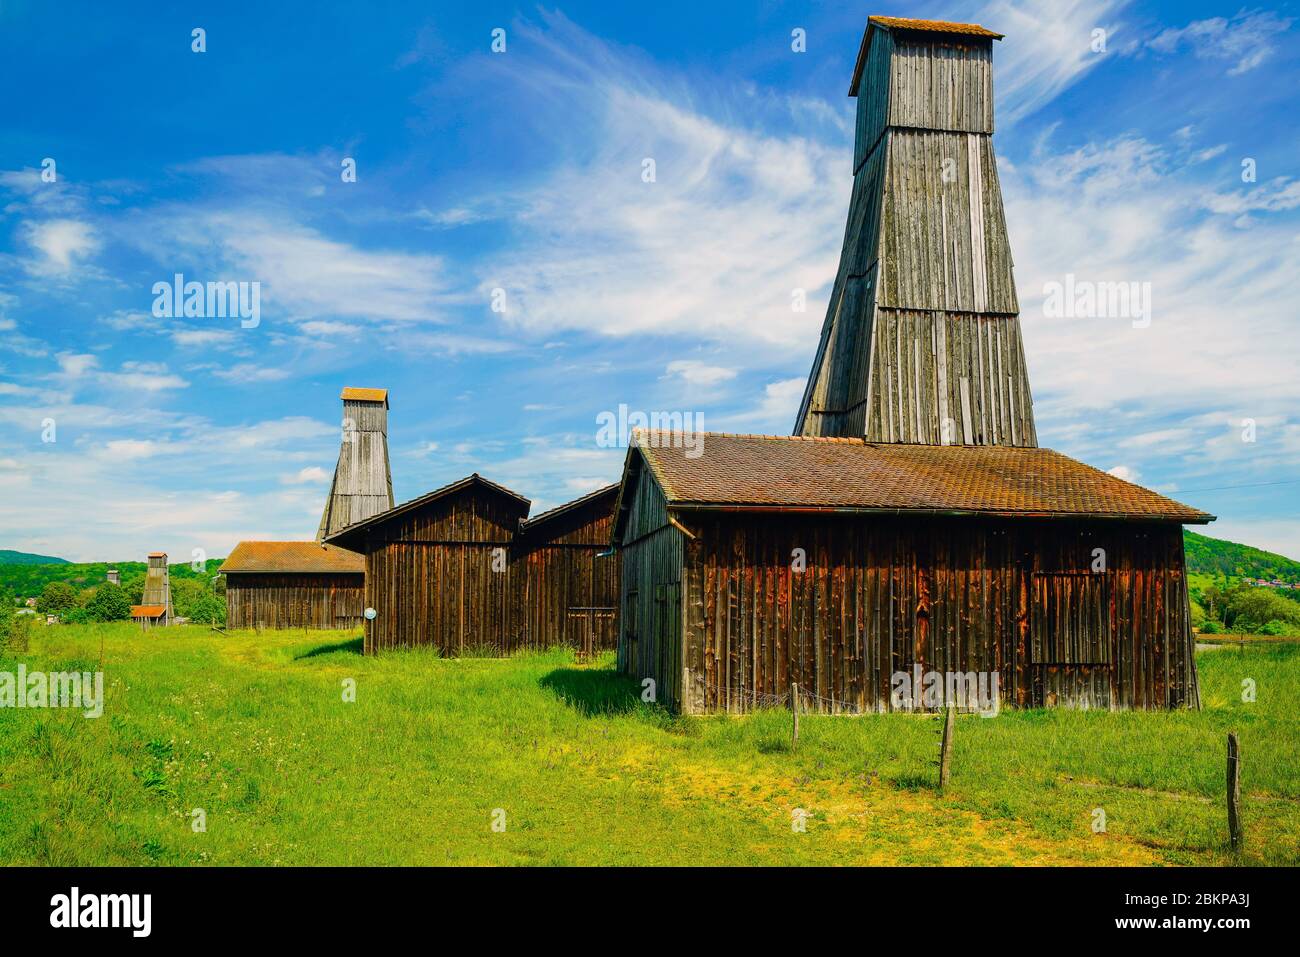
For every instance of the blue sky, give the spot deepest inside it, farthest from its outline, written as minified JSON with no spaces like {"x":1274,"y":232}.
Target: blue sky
{"x":522,"y":171}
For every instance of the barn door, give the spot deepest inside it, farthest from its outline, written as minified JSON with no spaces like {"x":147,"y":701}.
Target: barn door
{"x":1070,"y":640}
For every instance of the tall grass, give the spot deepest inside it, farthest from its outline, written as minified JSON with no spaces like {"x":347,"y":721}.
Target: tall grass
{"x":254,"y":730}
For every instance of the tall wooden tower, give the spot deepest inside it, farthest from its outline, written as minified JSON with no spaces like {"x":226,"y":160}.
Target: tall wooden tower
{"x":921,"y":343}
{"x":363,"y":481}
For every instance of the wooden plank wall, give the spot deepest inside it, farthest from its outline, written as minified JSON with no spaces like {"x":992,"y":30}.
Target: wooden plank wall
{"x":650,"y":625}
{"x":255,"y":600}
{"x":558,"y":567}
{"x":458,"y":576}
{"x":881,"y":595}
{"x":932,"y":368}
{"x":431,"y":578}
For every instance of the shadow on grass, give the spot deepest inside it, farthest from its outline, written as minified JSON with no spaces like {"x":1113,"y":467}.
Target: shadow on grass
{"x":351,"y":646}
{"x":594,"y":692}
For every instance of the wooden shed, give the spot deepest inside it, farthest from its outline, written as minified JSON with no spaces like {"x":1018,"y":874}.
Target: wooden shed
{"x":464,"y":570}
{"x":155,"y":608}
{"x":300,"y":584}
{"x":841,"y":565}
{"x":437,"y":569}
{"x":293,"y":585}
{"x":567,"y":575}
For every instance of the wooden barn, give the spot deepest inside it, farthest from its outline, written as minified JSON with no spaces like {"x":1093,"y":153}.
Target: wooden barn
{"x":308,"y":584}
{"x":840,"y":564}
{"x":155,"y":608}
{"x":462,"y":570}
{"x":293,"y":585}
{"x":912,"y":532}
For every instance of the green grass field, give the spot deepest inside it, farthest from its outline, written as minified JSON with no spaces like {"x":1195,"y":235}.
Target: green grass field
{"x":254,"y":730}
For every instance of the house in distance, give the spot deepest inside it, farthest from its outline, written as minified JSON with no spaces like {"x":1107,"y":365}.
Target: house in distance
{"x":912,"y":525}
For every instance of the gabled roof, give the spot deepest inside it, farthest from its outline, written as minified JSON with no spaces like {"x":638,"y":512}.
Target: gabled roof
{"x":907,"y":24}
{"x":542,"y":518}
{"x":798,"y":474}
{"x":148,"y":611}
{"x":353,"y":394}
{"x":354,"y":534}
{"x":292,"y":558}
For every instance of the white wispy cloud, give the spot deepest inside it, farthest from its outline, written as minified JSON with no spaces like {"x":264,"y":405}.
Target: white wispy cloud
{"x":1244,"y":40}
{"x":735,"y":220}
{"x":1048,"y":48}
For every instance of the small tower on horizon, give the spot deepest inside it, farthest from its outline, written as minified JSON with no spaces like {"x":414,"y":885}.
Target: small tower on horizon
{"x":921,"y":343}
{"x":363,"y":482}
{"x":155,"y":606}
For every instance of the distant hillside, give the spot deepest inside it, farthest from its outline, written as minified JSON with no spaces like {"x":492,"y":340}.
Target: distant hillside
{"x":26,"y":581}
{"x":27,"y":558}
{"x":1214,"y":556}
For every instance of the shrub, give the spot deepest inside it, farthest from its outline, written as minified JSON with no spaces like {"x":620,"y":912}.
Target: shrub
{"x":1211,"y":628}
{"x":75,"y":616}
{"x":56,"y":597}
{"x":108,"y":604}
{"x":207,"y":609}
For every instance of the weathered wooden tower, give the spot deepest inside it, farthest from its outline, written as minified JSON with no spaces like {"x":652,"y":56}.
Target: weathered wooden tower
{"x":155,"y":606}
{"x":363,"y":482}
{"x":921,"y":342}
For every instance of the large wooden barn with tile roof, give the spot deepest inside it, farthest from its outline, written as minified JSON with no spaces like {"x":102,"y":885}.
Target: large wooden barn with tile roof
{"x":304,"y":584}
{"x":911,"y":527}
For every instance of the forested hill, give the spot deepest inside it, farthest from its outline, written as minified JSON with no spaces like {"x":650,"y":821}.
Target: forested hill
{"x":26,"y":581}
{"x":8,"y":557}
{"x":1214,"y":556}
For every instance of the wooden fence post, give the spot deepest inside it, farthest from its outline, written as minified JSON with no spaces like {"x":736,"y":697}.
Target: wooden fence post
{"x":794,"y":709}
{"x":945,"y":749}
{"x":1234,"y":791}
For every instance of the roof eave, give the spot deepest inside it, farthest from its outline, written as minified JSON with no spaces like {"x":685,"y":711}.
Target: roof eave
{"x":1201,"y":518}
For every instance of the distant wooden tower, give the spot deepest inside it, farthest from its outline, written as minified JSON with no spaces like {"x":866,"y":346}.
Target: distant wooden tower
{"x":155,"y":606}
{"x":363,"y":481}
{"x":921,"y":342}
{"x":113,"y":577}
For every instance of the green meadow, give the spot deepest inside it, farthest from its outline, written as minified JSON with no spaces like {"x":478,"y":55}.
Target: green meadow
{"x":254,"y":731}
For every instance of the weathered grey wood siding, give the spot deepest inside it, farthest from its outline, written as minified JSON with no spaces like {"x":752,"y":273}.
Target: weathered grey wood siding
{"x":945,"y":379}
{"x":880,"y":595}
{"x":363,"y":484}
{"x":650,"y":627}
{"x":266,"y":600}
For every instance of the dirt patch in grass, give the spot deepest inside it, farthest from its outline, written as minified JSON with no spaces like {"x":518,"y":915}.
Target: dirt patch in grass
{"x":874,"y":823}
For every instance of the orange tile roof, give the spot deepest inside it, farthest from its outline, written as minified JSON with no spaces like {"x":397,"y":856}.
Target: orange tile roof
{"x":364,"y":395}
{"x":932,"y":26}
{"x":292,"y":557}
{"x":792,"y":473}
{"x":148,"y":611}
